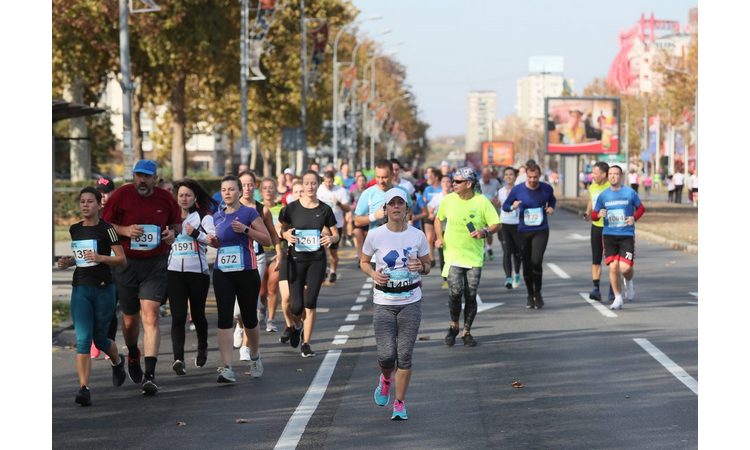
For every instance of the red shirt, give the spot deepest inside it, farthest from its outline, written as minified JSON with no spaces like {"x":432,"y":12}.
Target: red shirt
{"x":126,"y":207}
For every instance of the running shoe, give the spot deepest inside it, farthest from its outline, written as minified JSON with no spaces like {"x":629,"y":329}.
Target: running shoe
{"x":256,"y":367}
{"x":630,"y":291}
{"x":529,"y":301}
{"x":238,"y":333}
{"x":432,"y":264}
{"x":538,"y":302}
{"x":149,"y":386}
{"x":179,"y":367}
{"x":383,"y":391}
{"x":244,"y":353}
{"x":163,"y":310}
{"x":469,"y":340}
{"x":271,"y":327}
{"x":616,"y":304}
{"x":191,"y":327}
{"x":491,"y":255}
{"x":295,"y":336}
{"x":611,"y":295}
{"x":445,"y":285}
{"x":509,"y":283}
{"x":118,"y":372}
{"x":262,"y":313}
{"x":226,"y":375}
{"x":95,"y":352}
{"x":134,"y":367}
{"x":285,"y":335}
{"x":450,"y":338}
{"x":83,"y":397}
{"x":399,"y":411}
{"x":306,"y":351}
{"x":332,"y":277}
{"x":516,"y":280}
{"x":202,"y":356}
{"x":595,"y":295}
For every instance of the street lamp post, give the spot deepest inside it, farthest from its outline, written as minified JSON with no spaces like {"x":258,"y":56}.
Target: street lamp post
{"x":372,"y":97}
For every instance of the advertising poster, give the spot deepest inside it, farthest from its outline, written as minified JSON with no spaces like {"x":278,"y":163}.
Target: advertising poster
{"x":583,"y":125}
{"x":497,"y":153}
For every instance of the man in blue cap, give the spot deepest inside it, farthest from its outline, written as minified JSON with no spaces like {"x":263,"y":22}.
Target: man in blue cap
{"x":147,"y":220}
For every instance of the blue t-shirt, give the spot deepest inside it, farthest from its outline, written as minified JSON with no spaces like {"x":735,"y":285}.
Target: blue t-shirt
{"x":371,"y":200}
{"x":619,"y":204}
{"x":233,"y":257}
{"x":348,"y":182}
{"x":419,"y":206}
{"x":430,"y":192}
{"x":531,"y":212}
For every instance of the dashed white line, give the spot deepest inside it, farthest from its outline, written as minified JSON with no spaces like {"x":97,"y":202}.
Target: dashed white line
{"x":357,"y":308}
{"x":560,"y":273}
{"x":351,"y":318}
{"x":368,"y":279}
{"x":606,"y":312}
{"x":578,"y":237}
{"x":360,"y":300}
{"x":340,"y":339}
{"x":694,"y":294}
{"x":367,"y":286}
{"x":668,"y":364}
{"x":346,"y":328}
{"x":364,"y":292}
{"x":296,"y":425}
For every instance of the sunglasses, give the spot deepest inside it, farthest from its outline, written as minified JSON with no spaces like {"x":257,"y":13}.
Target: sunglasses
{"x":459,"y":181}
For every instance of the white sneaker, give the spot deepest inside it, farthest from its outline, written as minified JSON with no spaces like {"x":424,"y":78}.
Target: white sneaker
{"x":244,"y":353}
{"x":516,"y":280}
{"x":630,"y":291}
{"x":226,"y":375}
{"x":271,"y":327}
{"x":617,"y":304}
{"x":256,"y":368}
{"x":238,"y":333}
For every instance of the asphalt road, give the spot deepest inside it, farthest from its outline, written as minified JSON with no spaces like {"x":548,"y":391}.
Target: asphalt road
{"x":590,"y":381}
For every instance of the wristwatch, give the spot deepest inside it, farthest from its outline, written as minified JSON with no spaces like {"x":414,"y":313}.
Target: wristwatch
{"x":246,"y":230}
{"x":486,"y":231}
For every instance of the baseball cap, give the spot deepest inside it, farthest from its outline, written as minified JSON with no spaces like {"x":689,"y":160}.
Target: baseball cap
{"x":467,"y":173}
{"x":392,"y":193}
{"x":105,"y":184}
{"x":146,"y":166}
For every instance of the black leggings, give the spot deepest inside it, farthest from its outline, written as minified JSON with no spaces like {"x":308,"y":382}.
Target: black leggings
{"x":184,"y":286}
{"x":244,"y":286}
{"x":533,"y":246}
{"x":301,"y":274}
{"x":511,"y":243}
{"x":597,"y":245}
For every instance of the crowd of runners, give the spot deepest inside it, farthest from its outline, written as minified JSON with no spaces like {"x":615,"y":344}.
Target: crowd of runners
{"x":145,"y":244}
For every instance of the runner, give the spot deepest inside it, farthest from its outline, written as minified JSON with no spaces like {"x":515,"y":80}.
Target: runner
{"x":357,"y":233}
{"x":106,"y":186}
{"x":146,"y":219}
{"x":187,"y":271}
{"x":401,"y":256}
{"x":470,"y":218}
{"x":236,"y":274}
{"x":509,"y":238}
{"x":400,"y":181}
{"x":286,"y":306}
{"x":369,"y":209}
{"x":620,"y":207}
{"x":337,"y":199}
{"x":433,"y":187}
{"x":269,"y":284}
{"x":446,"y":186}
{"x":599,"y":184}
{"x":92,"y":301}
{"x":304,"y":224}
{"x":489,"y":187}
{"x":534,"y":202}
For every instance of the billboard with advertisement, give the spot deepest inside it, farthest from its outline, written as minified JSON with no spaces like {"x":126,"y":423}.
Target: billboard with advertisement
{"x":582,"y":125}
{"x":497,"y":153}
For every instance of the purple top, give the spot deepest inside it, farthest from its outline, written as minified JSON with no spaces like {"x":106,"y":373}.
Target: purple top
{"x":229,"y":238}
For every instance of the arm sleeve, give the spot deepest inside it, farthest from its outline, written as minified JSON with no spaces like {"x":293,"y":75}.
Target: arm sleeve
{"x":362,"y":204}
{"x":424,"y":249}
{"x":208,"y":228}
{"x":552,"y":200}
{"x":441,"y":211}
{"x":367,"y":247}
{"x":490,"y":214}
{"x":112,"y":235}
{"x":330,"y":218}
{"x":639,"y":211}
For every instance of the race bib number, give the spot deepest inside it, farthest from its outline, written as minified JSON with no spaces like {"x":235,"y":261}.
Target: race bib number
{"x":398,"y":278}
{"x":149,"y":240}
{"x":307,"y":240}
{"x":616,"y":218}
{"x":532,"y":216}
{"x":184,"y":247}
{"x":509,"y":216}
{"x":79,"y":249}
{"x":229,"y":259}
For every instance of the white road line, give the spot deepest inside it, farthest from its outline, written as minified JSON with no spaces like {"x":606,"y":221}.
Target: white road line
{"x":481,"y":306}
{"x":693,"y":303}
{"x":346,"y":328}
{"x":668,"y":364}
{"x":606,"y":312}
{"x":368,"y":279}
{"x":364,"y":292}
{"x":351,"y":318}
{"x":340,"y":339}
{"x":694,"y":294}
{"x":577,"y":237}
{"x":357,"y":308}
{"x":360,"y":300}
{"x":367,"y":286}
{"x":560,"y":273}
{"x":298,"y":422}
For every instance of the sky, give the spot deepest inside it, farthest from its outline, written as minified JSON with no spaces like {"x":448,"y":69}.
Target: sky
{"x":453,"y":47}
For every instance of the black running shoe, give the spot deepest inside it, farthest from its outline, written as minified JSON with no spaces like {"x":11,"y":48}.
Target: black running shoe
{"x":134,"y":367}
{"x":295,"y":337}
{"x":530,"y":302}
{"x":450,"y":338}
{"x":200,"y":359}
{"x":83,"y":397}
{"x":284,"y":338}
{"x":332,"y":277}
{"x":469,"y":340}
{"x":538,"y":302}
{"x":595,"y":294}
{"x":149,"y":386}
{"x":306,"y":351}
{"x":179,"y":367}
{"x":118,"y":372}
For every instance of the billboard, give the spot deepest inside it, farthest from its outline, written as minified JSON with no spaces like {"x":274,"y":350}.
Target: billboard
{"x":582,"y":125}
{"x":497,"y":153}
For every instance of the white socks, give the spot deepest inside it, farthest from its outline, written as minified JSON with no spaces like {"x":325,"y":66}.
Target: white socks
{"x":617,"y":304}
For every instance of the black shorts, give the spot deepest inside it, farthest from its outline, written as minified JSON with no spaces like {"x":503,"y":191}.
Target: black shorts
{"x":597,"y":245}
{"x":141,"y":279}
{"x":336,"y":245}
{"x":619,"y":248}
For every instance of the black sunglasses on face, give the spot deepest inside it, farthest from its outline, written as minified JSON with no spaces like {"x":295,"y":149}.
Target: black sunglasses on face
{"x":459,"y":181}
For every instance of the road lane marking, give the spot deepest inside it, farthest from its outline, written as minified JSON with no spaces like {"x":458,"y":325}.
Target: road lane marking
{"x":346,"y":328}
{"x":340,"y":339}
{"x":694,"y":294}
{"x":368,"y":279}
{"x":351,"y":318}
{"x":693,"y":303}
{"x":560,"y":273}
{"x":296,"y":425}
{"x":578,"y":237}
{"x":364,"y":292}
{"x":481,"y":306}
{"x":360,"y":300}
{"x":606,"y":312}
{"x":357,"y":308}
{"x":367,"y":286}
{"x":668,"y":364}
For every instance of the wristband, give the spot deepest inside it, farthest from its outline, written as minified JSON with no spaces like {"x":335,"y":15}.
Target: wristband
{"x":486,"y":231}
{"x":372,"y":217}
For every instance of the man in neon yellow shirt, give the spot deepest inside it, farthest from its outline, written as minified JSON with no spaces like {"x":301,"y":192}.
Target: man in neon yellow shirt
{"x":470,"y":219}
{"x":599,"y":184}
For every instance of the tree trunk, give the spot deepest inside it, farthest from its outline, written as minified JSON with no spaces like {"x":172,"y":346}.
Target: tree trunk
{"x":137,"y":99}
{"x":178,"y":128}
{"x":279,"y":168}
{"x":266,"y":153}
{"x":254,"y":152}
{"x":80,"y":150}
{"x":229,"y":162}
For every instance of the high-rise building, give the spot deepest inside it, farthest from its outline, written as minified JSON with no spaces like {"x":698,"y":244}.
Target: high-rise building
{"x":480,"y":113}
{"x":532,"y":89}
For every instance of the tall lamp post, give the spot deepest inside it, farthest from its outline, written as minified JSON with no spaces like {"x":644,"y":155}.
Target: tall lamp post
{"x":372,"y":98}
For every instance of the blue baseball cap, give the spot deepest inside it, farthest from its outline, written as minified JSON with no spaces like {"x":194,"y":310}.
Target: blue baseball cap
{"x":146,"y":166}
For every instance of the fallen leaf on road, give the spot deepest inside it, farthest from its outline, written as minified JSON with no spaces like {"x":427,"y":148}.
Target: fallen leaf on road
{"x":424,"y":338}
{"x":241,"y":420}
{"x":181,"y":424}
{"x":517,"y":384}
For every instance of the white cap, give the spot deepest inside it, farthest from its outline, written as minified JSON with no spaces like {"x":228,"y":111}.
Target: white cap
{"x":289,"y":171}
{"x":394,"y":192}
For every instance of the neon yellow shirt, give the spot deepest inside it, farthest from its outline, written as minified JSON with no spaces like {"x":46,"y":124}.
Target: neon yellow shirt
{"x":459,"y":248}
{"x":594,"y":191}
